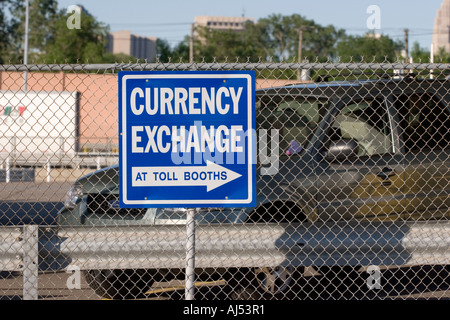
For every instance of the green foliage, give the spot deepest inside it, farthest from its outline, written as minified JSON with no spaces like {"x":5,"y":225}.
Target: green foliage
{"x":280,"y":36}
{"x":442,"y":56}
{"x":163,"y":50}
{"x":225,"y":45}
{"x":275,"y":38}
{"x":369,"y":48}
{"x":42,"y":14}
{"x":8,"y":24}
{"x":419,"y":54}
{"x":84,"y":45}
{"x":118,"y":58}
{"x":50,"y":39}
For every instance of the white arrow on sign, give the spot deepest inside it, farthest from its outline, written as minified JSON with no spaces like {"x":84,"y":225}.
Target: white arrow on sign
{"x":212,"y":176}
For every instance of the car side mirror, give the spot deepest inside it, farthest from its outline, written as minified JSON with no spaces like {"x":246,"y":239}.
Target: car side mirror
{"x":341,"y":150}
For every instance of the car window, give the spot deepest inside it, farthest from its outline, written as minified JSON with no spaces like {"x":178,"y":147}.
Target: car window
{"x":294,"y":119}
{"x":424,"y":121}
{"x":365,"y":122}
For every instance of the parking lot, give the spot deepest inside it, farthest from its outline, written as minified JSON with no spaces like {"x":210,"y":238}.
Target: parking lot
{"x":397,"y":283}
{"x":403,"y":283}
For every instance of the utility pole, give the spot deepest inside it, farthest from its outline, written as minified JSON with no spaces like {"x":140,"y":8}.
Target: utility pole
{"x":406,"y":45}
{"x":431,"y":60}
{"x":300,"y":45}
{"x":191,"y":45}
{"x":302,"y":74}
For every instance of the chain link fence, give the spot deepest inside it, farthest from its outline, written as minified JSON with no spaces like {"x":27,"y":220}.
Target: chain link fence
{"x":353,"y":190}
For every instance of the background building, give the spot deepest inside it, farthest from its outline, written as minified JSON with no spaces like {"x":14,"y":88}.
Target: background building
{"x":441,"y":31}
{"x":236,"y":24}
{"x":222,"y":23}
{"x":137,"y":46}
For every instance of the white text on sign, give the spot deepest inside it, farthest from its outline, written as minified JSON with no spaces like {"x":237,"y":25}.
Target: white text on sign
{"x":196,"y":138}
{"x":177,"y":101}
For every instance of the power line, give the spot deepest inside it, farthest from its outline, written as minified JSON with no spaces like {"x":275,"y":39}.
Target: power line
{"x":151,"y":24}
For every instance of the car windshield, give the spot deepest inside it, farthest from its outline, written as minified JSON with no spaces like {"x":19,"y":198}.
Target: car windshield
{"x":293,"y":119}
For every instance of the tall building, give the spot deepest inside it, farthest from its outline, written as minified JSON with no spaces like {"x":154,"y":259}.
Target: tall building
{"x":126,"y":42}
{"x":441,"y":31}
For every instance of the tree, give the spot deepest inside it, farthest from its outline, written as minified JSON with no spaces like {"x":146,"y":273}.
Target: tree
{"x":84,"y":45}
{"x":442,"y":56}
{"x":8,"y":25}
{"x":50,"y":38}
{"x":181,"y":51}
{"x":275,"y":38}
{"x":163,"y":51}
{"x":419,"y":54}
{"x":109,"y":57}
{"x":221,"y":45}
{"x":279,"y":36}
{"x":42,"y":16}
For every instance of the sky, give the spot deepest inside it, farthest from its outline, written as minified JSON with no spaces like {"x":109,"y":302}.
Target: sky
{"x":171,"y":19}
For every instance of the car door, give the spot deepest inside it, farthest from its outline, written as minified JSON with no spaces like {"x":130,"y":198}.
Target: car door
{"x":425,"y":131}
{"x":369,"y":183}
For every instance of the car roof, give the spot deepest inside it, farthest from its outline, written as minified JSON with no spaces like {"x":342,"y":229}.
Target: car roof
{"x":347,"y":87}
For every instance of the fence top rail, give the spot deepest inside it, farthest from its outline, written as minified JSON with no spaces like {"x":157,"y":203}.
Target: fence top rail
{"x":224,"y":65}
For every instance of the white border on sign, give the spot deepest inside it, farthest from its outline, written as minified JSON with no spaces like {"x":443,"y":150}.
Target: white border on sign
{"x":187,"y":76}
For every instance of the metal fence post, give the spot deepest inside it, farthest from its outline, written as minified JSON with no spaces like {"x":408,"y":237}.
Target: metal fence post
{"x":49,"y":169}
{"x":8,"y":169}
{"x":190,"y":255}
{"x":30,"y":262}
{"x":397,"y":236}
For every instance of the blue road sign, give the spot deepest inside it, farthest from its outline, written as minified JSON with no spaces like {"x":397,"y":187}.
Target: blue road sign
{"x":187,"y":139}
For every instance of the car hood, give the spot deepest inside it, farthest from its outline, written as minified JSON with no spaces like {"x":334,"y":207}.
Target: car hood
{"x":101,"y":181}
